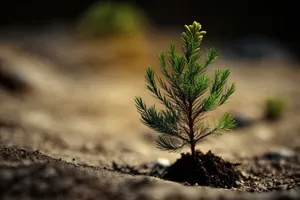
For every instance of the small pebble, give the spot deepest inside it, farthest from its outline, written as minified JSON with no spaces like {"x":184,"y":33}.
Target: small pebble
{"x":244,"y":174}
{"x":27,"y":162}
{"x":239,"y":183}
{"x":163,"y":162}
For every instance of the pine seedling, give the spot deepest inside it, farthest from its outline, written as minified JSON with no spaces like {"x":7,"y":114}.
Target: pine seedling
{"x":182,"y":93}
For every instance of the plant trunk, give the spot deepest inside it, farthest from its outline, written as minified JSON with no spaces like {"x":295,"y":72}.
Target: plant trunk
{"x":193,"y":150}
{"x":191,"y":129}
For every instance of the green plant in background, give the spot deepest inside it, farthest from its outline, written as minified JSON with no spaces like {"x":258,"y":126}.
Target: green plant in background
{"x":274,"y":109}
{"x":111,"y":18}
{"x":182,"y":94}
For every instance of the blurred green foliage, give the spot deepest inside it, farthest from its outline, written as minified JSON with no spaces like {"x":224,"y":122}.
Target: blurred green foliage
{"x":274,"y":109}
{"x":111,"y":18}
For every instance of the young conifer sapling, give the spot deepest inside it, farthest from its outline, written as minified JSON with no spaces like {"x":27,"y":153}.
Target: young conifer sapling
{"x":187,"y":93}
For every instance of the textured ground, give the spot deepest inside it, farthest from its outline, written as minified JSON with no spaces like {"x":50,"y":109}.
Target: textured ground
{"x":74,"y":115}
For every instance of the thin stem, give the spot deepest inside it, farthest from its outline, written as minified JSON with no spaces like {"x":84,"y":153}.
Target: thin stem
{"x":207,"y":134}
{"x":191,"y":128}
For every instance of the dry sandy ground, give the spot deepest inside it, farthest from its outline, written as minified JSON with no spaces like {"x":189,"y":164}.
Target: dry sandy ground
{"x":77,"y":107}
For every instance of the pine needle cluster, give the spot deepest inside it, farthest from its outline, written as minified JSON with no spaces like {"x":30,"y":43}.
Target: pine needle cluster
{"x":187,"y":93}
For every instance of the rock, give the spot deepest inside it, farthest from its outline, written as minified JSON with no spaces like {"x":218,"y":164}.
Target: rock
{"x":244,"y":174}
{"x":241,"y":121}
{"x":163,"y":162}
{"x":239,"y":183}
{"x":12,"y":80}
{"x":281,"y":154}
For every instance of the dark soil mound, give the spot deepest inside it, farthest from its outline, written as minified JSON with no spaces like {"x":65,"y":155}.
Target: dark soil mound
{"x":206,"y":170}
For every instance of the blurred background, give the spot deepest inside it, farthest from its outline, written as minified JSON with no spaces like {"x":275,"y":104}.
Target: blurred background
{"x":262,"y":22}
{"x":69,"y":70}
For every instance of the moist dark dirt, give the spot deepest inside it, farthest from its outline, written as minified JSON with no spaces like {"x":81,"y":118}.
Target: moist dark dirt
{"x":204,"y":170}
{"x":262,"y":173}
{"x":271,"y":173}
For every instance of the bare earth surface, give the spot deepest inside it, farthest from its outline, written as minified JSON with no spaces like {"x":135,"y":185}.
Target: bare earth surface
{"x":71,"y":115}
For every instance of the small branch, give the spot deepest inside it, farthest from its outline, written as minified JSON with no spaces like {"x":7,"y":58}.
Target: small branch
{"x":207,"y":134}
{"x":185,"y":129}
